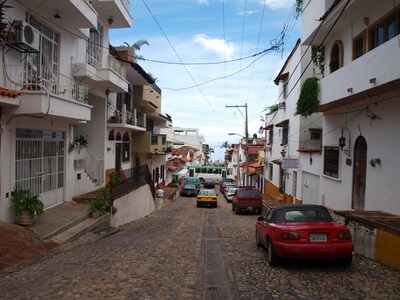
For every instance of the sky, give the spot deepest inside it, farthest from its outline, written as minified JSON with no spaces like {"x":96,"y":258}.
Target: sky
{"x":210,"y":54}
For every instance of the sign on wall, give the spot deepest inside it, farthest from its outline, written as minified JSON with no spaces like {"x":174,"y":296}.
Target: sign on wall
{"x":290,"y":163}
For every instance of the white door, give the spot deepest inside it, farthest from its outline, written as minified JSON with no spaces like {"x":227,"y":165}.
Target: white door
{"x":310,"y":188}
{"x":39,"y":164}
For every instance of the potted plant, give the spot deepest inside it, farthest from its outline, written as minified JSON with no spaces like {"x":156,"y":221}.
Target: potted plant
{"x":25,"y":206}
{"x":97,"y":207}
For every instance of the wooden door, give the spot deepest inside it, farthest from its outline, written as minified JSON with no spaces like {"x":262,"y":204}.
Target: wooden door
{"x":359,"y":174}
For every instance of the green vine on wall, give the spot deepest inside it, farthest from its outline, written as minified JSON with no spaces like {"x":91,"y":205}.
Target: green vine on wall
{"x":273,"y":108}
{"x":308,"y":101}
{"x":318,"y":58}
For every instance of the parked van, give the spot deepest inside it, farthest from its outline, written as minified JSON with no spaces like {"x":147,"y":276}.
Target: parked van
{"x":195,"y":181}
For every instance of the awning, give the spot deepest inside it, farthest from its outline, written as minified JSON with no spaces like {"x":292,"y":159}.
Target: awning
{"x":181,"y":172}
{"x":269,"y":127}
{"x":282,"y":123}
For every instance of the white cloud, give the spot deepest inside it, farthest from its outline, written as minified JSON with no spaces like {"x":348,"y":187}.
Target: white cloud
{"x":276,"y":4}
{"x":207,"y":2}
{"x":215,"y":45}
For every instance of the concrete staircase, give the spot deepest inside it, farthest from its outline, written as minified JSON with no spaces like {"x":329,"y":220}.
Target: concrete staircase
{"x":67,"y":221}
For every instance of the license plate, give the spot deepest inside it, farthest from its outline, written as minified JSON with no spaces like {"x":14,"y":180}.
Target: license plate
{"x":318,"y":237}
{"x":250,"y":208}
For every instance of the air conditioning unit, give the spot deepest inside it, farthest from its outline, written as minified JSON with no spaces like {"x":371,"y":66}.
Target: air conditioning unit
{"x":25,"y":38}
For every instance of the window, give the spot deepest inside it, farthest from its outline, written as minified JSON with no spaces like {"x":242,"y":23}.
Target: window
{"x":111,"y":136}
{"x":384,"y":30}
{"x":285,"y":90}
{"x":125,"y":148}
{"x":271,"y":136}
{"x":315,"y":134}
{"x":271,"y":171}
{"x":94,"y":44}
{"x":331,"y":161}
{"x":285,"y":135}
{"x":336,"y":56}
{"x":359,"y":46}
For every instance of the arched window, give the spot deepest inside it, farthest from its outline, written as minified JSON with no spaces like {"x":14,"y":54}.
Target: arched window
{"x":125,"y":148}
{"x":118,"y":137}
{"x":111,"y":136}
{"x":336,"y":59}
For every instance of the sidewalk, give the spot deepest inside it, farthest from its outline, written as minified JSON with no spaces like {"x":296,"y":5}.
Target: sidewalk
{"x":18,"y":243}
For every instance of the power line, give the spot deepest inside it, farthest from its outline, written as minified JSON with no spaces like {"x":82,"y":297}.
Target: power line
{"x":226,"y":76}
{"x":187,"y":70}
{"x":302,"y":57}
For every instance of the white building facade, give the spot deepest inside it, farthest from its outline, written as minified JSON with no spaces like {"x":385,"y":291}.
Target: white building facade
{"x":359,"y":95}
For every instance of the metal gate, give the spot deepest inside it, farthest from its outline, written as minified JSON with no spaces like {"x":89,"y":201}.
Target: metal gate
{"x":40,"y":164}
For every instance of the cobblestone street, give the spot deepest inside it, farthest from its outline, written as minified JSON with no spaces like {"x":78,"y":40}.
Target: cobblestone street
{"x":185,"y":252}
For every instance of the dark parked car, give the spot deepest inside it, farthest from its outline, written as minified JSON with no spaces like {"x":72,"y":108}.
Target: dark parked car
{"x":303,"y":231}
{"x":189,"y":189}
{"x":209,"y":183}
{"x":247,"y":198}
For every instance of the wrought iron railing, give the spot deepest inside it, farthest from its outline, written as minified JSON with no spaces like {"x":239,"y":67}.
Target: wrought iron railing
{"x":40,"y":78}
{"x":130,"y":180}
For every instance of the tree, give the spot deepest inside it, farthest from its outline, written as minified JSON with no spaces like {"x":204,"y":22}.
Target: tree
{"x":225,"y":145}
{"x":137,"y":46}
{"x":208,"y":155}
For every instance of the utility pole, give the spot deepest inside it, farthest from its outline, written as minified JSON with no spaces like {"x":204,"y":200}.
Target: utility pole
{"x":246,"y":136}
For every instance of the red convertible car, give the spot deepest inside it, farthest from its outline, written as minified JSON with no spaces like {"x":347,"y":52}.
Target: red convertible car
{"x":303,"y":231}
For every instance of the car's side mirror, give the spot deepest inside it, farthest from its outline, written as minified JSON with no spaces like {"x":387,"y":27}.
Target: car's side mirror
{"x":260,"y":219}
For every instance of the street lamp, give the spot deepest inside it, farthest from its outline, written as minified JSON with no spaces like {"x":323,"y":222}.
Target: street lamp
{"x":247,"y":156}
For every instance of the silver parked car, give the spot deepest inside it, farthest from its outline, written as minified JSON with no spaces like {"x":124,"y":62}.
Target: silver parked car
{"x":229,"y":193}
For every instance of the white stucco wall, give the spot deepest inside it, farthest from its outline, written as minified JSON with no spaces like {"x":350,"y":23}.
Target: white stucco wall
{"x":382,"y":188}
{"x":133,"y":206}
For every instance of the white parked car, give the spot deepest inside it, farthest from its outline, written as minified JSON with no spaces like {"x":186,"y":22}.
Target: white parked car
{"x":229,"y":193}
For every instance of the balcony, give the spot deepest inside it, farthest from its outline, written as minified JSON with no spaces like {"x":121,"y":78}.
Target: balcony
{"x":72,"y":14}
{"x":147,"y":142}
{"x":376,"y":73}
{"x":117,"y":10}
{"x":111,"y":76}
{"x":126,"y":118}
{"x":44,"y":91}
{"x":310,"y":146}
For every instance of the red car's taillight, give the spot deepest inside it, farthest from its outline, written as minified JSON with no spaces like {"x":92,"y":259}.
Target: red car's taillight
{"x":344,"y":235}
{"x":290,"y":235}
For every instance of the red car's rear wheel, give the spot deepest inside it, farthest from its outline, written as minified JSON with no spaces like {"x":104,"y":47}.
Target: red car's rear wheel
{"x":273,"y":258}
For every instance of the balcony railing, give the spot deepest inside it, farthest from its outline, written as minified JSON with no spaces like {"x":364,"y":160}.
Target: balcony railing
{"x":93,"y":57}
{"x":116,"y":66}
{"x":126,"y":116}
{"x":40,"y":78}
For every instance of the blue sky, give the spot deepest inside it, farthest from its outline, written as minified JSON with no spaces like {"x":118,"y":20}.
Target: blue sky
{"x":202,"y":34}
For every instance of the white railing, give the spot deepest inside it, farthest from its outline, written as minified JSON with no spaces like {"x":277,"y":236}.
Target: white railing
{"x":93,"y":58}
{"x":126,"y":116}
{"x":40,"y":78}
{"x":116,"y":66}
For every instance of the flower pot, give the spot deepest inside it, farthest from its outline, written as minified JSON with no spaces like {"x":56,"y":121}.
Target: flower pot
{"x":95,"y":214}
{"x":25,"y":218}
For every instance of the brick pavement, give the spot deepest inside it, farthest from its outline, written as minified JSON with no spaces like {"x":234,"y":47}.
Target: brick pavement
{"x":18,"y":243}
